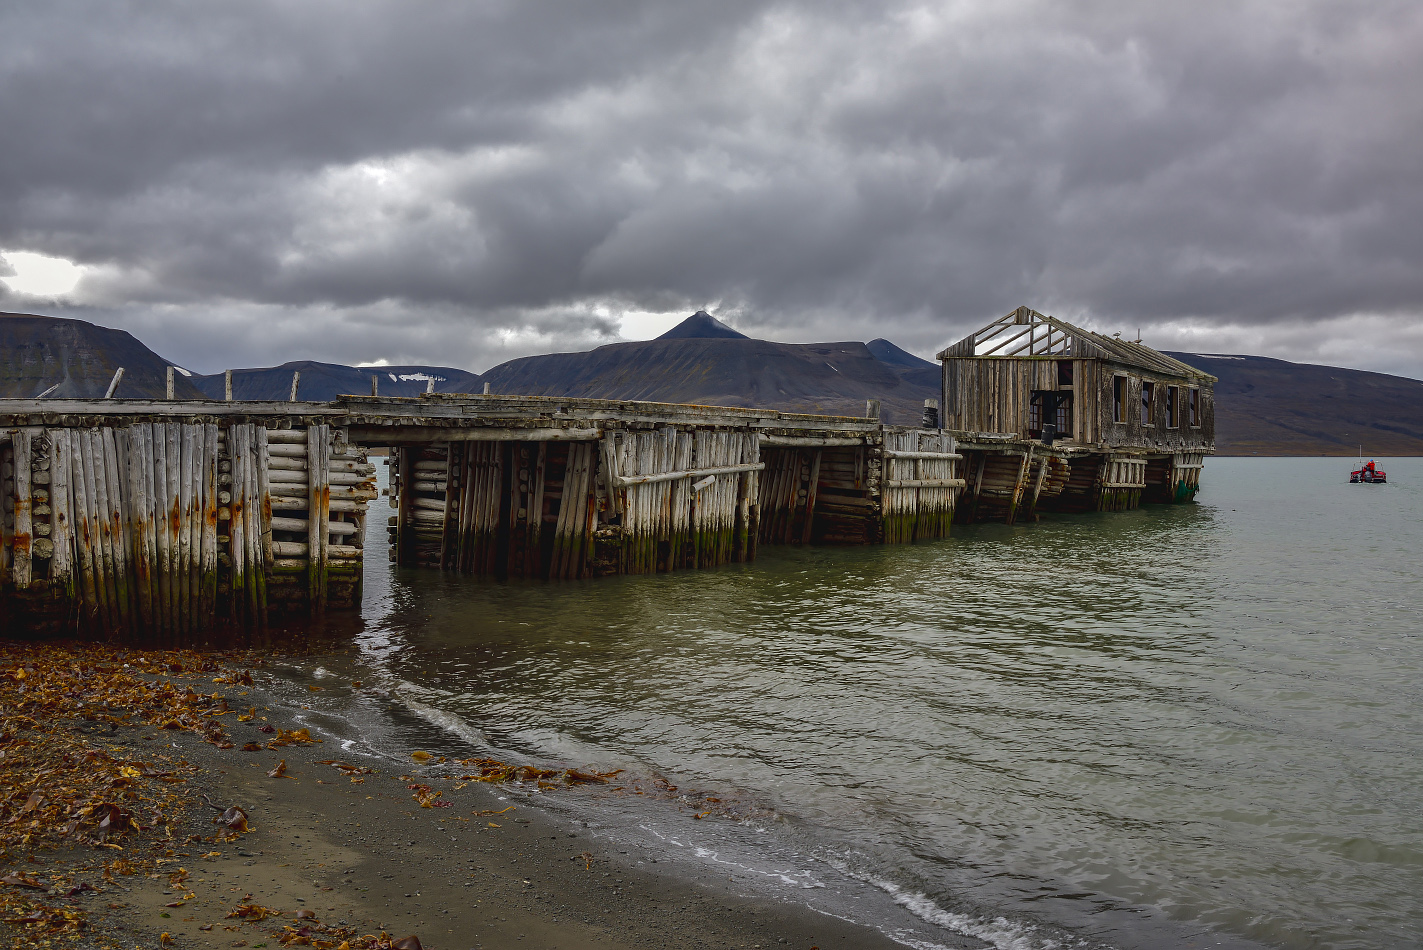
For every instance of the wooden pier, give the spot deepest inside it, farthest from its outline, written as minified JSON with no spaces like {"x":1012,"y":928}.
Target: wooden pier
{"x":165,"y":521}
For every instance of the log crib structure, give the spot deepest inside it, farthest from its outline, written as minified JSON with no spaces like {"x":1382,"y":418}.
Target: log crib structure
{"x":169,"y":521}
{"x":165,"y":522}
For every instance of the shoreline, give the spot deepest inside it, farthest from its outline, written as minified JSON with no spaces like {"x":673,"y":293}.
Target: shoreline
{"x":358,"y":854}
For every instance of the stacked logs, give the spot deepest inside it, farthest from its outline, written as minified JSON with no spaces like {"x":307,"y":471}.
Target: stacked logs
{"x":319,"y":490}
{"x":162,"y":531}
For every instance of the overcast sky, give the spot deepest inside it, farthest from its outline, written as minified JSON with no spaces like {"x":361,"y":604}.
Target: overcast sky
{"x":460,"y":183}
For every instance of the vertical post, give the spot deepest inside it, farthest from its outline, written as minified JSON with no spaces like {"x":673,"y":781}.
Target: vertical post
{"x":238,"y":447}
{"x":61,"y":567}
{"x":186,"y":483}
{"x":449,"y":524}
{"x":165,"y":463}
{"x":486,"y":392}
{"x":84,"y":590}
{"x":375,"y":385}
{"x":227,"y":385}
{"x":172,"y":500}
{"x":118,"y":524}
{"x":263,"y":514}
{"x":114,"y":383}
{"x":140,"y":517}
{"x":208,"y":536}
{"x":20,"y":563}
{"x":931,"y":414}
{"x":318,"y":479}
{"x":404,"y":517}
{"x":96,"y":475}
{"x":871,"y":408}
{"x":296,"y":380}
{"x":168,"y":389}
{"x":252,"y":528}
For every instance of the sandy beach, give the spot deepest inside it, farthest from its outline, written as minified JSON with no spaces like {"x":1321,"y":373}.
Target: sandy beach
{"x":334,"y":855}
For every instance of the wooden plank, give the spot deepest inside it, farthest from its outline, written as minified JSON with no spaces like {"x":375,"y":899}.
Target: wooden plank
{"x":908,"y":483}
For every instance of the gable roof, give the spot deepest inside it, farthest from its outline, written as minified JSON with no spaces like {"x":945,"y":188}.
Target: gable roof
{"x":1025,"y":332}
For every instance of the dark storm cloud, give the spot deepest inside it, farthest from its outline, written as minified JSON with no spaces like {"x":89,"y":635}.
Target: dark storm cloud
{"x":465,"y":182}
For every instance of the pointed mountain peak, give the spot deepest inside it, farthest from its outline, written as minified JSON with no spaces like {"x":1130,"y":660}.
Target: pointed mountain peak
{"x":702,"y":325}
{"x":887,"y":352}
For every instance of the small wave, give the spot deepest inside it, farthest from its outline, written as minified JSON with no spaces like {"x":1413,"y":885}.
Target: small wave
{"x":452,"y":724}
{"x":1000,"y":931}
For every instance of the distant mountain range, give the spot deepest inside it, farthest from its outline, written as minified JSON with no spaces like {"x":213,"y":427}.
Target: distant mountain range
{"x":702,"y":360}
{"x":1275,"y":407}
{"x":322,"y":382}
{"x":1263,"y":406}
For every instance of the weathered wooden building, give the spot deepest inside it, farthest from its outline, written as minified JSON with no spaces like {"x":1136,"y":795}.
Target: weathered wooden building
{"x":1129,"y":423}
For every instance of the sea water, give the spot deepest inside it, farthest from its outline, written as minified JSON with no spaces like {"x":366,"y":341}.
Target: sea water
{"x":1193,"y":725}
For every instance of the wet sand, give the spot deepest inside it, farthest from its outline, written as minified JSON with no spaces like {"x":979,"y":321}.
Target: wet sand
{"x":366,"y":855}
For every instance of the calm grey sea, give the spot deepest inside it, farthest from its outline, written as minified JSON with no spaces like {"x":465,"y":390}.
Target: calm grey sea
{"x":1196,"y":724}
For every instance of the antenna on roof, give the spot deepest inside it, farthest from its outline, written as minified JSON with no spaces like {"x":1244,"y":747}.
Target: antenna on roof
{"x":1138,"y":335}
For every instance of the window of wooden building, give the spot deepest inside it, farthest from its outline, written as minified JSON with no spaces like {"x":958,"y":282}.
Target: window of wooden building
{"x":1064,"y":372}
{"x":1193,"y":407}
{"x":1050,"y":406}
{"x":1148,"y":391}
{"x":1173,"y":407}
{"x":1119,"y":399}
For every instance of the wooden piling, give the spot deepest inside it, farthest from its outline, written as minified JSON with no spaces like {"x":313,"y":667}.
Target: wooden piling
{"x":61,"y":570}
{"x":318,"y":513}
{"x":22,"y":534}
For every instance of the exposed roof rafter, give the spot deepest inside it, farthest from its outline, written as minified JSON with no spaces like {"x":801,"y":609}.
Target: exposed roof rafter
{"x":1025,"y":332}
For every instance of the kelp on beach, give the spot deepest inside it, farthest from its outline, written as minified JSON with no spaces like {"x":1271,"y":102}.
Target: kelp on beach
{"x":65,"y":786}
{"x":83,"y":806}
{"x":77,"y":808}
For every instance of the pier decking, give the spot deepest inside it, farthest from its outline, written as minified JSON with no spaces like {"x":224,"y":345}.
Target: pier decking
{"x":165,"y":520}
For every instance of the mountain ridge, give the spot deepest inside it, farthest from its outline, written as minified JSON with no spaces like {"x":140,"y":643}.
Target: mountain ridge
{"x":1264,"y":406}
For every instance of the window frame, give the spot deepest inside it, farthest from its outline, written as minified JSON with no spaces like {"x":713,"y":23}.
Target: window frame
{"x":1173,"y":407}
{"x":1193,"y":407}
{"x":1148,"y":402}
{"x":1119,"y":398}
